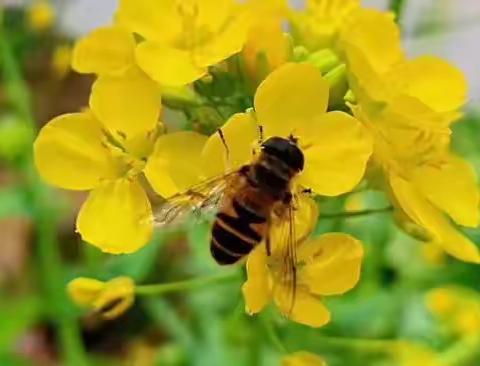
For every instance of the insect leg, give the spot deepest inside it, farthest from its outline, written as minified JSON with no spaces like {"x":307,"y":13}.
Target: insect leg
{"x":225,"y":145}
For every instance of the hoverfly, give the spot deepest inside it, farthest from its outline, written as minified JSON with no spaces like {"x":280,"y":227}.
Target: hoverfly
{"x":248,"y":204}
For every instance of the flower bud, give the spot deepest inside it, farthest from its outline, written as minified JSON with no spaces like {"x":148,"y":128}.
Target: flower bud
{"x":110,"y":299}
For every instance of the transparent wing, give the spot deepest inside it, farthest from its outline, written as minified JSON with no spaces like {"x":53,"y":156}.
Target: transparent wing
{"x":202,"y":198}
{"x":282,"y":241}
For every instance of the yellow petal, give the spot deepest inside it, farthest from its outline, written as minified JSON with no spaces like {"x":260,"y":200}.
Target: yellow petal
{"x":241,"y":134}
{"x":428,"y":78}
{"x":83,"y":291}
{"x":69,"y":154}
{"x":451,"y":187}
{"x":152,"y":19}
{"x":128,"y":104}
{"x":332,"y":263}
{"x":105,"y":51}
{"x":116,"y":217}
{"x":226,"y":41}
{"x":367,"y":84}
{"x":290,"y":96}
{"x":337,"y":150}
{"x":256,"y":290}
{"x":424,"y":214}
{"x":168,"y":66}
{"x":303,"y":358}
{"x":266,"y":49}
{"x":377,"y":35}
{"x":175,"y":164}
{"x":307,"y":309}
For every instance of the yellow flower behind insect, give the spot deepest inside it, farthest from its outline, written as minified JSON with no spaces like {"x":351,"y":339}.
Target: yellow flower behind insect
{"x":41,"y":15}
{"x":267,"y":46}
{"x":302,"y":358}
{"x":328,"y":265}
{"x":110,"y":299}
{"x":182,"y":38}
{"x":291,"y":101}
{"x":457,"y":308}
{"x":105,"y":151}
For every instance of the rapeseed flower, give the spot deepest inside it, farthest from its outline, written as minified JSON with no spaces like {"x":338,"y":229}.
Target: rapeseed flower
{"x":41,"y":15}
{"x":326,"y":266}
{"x":105,"y":150}
{"x":182,"y":38}
{"x":302,"y":358}
{"x":425,"y":181}
{"x":267,"y":46}
{"x":110,"y":299}
{"x":291,"y":101}
{"x":457,"y":308}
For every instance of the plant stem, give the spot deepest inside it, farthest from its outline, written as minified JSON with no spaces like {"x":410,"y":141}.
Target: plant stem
{"x":44,"y":215}
{"x":464,"y":352}
{"x":397,"y":7}
{"x":193,"y":284}
{"x":355,"y":213}
{"x":362,"y":345}
{"x":272,"y":334}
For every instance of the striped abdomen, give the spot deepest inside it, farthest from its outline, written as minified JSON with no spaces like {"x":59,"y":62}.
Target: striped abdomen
{"x":236,"y":231}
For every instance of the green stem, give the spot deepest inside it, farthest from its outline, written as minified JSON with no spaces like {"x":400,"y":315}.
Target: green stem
{"x":397,"y":7}
{"x":355,"y":213}
{"x":272,"y":334}
{"x":193,"y":284}
{"x":51,"y":271}
{"x":464,"y":352}
{"x":358,"y":344}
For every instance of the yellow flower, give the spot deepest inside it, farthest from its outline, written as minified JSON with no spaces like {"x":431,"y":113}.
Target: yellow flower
{"x":105,"y":51}
{"x":303,"y":358}
{"x":328,"y":265}
{"x":458,"y":308}
{"x":291,"y":101}
{"x":41,"y":15}
{"x":182,"y":38}
{"x":61,"y":60}
{"x":267,"y":46}
{"x":110,"y":299}
{"x":105,"y":150}
{"x":317,"y":26}
{"x":423,"y":178}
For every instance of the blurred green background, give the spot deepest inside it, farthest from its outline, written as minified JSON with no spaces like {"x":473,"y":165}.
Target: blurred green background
{"x":394,"y":317}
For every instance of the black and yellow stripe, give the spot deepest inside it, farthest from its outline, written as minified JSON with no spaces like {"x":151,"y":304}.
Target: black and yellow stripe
{"x":233,"y":236}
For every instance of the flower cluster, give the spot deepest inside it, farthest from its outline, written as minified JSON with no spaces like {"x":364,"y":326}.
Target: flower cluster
{"x":339,"y":84}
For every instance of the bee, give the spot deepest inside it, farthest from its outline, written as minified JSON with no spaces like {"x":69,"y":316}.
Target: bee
{"x":248,"y":204}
